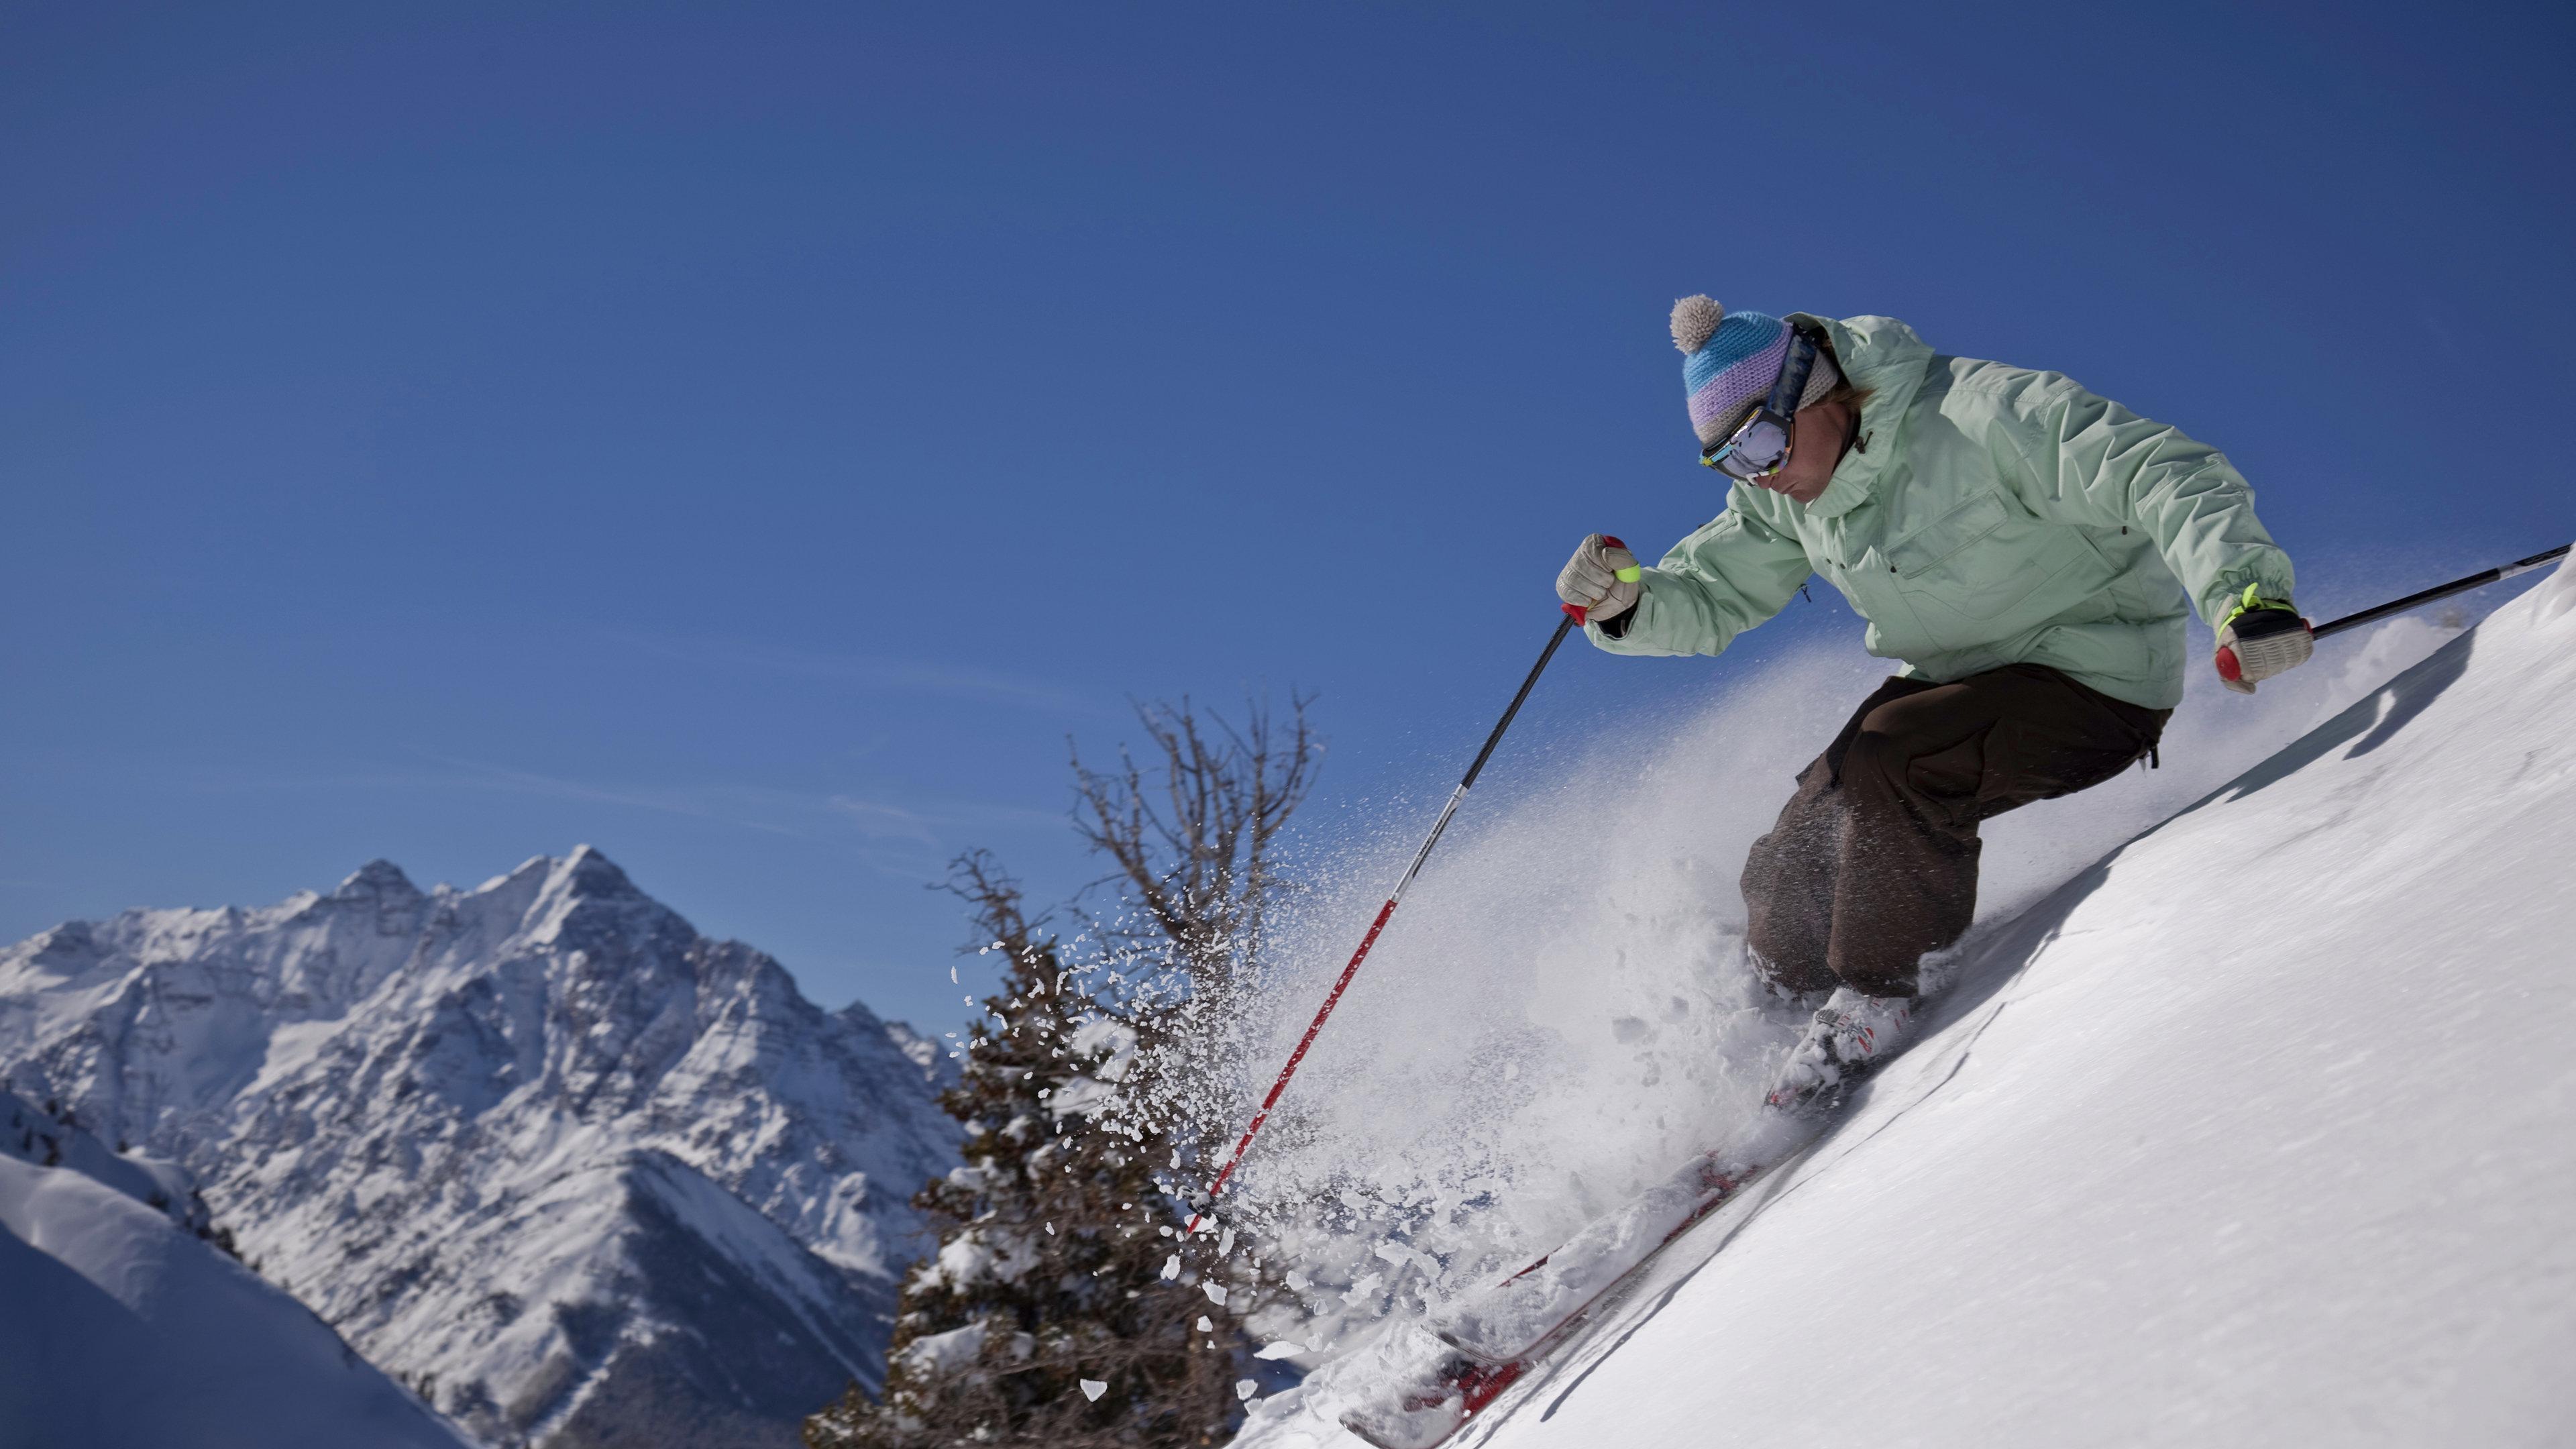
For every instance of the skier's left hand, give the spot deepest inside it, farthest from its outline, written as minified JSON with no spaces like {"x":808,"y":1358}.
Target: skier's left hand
{"x":2261,"y":638}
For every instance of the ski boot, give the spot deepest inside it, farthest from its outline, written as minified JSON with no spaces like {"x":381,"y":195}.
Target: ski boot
{"x":1848,"y":1037}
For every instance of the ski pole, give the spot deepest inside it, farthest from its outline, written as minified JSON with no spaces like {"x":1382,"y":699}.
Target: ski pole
{"x":2442,"y":591}
{"x":1574,"y":614}
{"x":2438,"y":591}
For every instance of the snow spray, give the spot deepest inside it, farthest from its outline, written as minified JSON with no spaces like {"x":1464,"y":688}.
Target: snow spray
{"x":1573,"y":616}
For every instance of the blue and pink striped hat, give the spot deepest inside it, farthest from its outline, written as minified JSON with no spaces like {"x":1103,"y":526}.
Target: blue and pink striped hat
{"x":1729,"y":362}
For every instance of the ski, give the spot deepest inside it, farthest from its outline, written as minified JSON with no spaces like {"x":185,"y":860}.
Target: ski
{"x":1435,"y":1399}
{"x":1510,"y":1319}
{"x":1472,"y":1351}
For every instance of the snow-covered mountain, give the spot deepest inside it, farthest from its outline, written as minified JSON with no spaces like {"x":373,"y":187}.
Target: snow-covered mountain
{"x":120,"y":1323}
{"x":2262,"y":1130}
{"x":577,"y":1173}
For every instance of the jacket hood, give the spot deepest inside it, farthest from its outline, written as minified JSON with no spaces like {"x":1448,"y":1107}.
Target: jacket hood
{"x":1884,"y":356}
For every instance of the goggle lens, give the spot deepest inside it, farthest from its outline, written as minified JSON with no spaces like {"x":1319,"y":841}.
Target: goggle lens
{"x":1756,"y":451}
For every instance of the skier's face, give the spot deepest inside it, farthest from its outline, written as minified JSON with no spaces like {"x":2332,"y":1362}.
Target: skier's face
{"x":1815,"y":449}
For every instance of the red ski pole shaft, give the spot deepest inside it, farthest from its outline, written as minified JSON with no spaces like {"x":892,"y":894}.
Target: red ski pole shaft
{"x":1573,"y":616}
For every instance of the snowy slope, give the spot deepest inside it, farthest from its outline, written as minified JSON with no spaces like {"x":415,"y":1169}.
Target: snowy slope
{"x":120,"y":1326}
{"x":581,"y":1174}
{"x":2261,"y":1131}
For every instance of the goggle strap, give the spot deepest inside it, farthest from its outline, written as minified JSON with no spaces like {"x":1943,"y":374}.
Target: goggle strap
{"x":1792,"y":382}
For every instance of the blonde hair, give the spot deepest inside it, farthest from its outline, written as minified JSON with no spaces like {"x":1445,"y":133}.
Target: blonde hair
{"x":1845,"y":390}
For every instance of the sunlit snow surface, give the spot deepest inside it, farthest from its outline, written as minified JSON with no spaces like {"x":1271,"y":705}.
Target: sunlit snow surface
{"x":2258,"y":1131}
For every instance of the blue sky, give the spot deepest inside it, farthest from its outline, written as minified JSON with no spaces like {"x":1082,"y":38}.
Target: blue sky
{"x":754,"y":438}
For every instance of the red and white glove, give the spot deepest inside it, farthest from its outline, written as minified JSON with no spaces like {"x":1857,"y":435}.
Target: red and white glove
{"x":2259,"y":639}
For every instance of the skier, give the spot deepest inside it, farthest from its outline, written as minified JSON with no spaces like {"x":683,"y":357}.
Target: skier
{"x":2023,"y":546}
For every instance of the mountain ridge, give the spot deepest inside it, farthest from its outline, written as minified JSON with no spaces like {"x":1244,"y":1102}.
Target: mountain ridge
{"x":480,"y":1131}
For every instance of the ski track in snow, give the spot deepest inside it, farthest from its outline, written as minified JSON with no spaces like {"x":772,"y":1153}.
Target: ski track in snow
{"x":2063,"y":1217}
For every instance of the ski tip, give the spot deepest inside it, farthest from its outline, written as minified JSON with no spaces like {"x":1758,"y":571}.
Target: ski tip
{"x":1423,"y":1412}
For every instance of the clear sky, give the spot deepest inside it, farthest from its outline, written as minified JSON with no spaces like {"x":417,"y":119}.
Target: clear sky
{"x":752,"y":438}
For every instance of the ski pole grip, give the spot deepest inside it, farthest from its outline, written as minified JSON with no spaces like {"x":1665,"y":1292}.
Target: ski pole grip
{"x":1631,"y":573}
{"x":1628,"y":575}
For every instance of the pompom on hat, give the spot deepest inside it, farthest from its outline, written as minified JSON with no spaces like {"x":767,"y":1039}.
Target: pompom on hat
{"x":1729,"y":362}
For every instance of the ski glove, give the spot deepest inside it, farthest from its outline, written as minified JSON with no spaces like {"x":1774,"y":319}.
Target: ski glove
{"x":2260,"y":638}
{"x":1600,"y":581}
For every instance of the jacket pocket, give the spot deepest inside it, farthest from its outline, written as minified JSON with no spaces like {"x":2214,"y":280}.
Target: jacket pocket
{"x":1945,"y":537}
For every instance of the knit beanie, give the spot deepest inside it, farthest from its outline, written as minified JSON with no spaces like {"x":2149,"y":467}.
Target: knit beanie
{"x":1729,"y":362}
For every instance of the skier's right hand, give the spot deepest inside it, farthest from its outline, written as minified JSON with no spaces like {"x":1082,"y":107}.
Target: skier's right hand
{"x":1601,"y":579}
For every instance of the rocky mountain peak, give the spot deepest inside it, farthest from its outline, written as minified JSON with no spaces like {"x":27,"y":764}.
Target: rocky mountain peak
{"x":377,"y":880}
{"x":589,"y":872}
{"x":72,"y":944}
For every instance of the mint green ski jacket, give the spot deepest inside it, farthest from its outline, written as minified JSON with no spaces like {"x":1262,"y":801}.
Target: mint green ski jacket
{"x":1989,"y":515}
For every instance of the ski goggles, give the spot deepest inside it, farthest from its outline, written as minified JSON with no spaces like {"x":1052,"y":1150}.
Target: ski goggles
{"x":1761,"y":447}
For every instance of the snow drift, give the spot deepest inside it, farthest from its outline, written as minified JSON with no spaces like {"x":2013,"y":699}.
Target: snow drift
{"x":120,"y":1324}
{"x":578,"y":1173}
{"x":2256,"y":1131}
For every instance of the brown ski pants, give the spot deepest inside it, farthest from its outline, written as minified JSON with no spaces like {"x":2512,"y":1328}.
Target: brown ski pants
{"x":1874,"y":860}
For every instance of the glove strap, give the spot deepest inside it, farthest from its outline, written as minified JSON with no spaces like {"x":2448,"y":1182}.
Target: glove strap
{"x":2251,"y":600}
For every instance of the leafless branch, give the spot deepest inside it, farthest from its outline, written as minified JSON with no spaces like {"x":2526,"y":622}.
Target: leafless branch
{"x":1192,"y":830}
